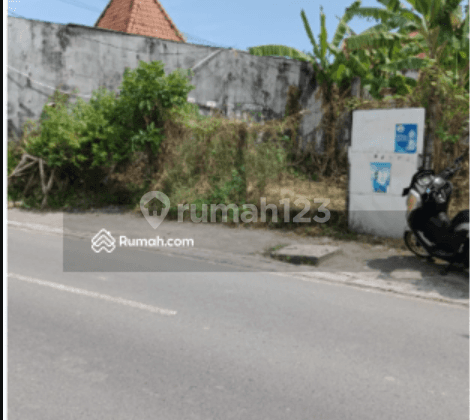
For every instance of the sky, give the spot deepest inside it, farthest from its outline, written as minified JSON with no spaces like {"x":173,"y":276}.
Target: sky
{"x":238,"y":24}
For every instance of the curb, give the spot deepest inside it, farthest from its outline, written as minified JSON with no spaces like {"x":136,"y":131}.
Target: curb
{"x":365,"y":280}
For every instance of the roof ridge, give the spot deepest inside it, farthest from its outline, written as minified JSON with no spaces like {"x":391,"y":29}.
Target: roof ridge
{"x":103,"y":12}
{"x":129,"y":16}
{"x":167,"y":16}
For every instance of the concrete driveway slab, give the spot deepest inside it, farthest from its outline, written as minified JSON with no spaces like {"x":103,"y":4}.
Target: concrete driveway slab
{"x":309,"y":254}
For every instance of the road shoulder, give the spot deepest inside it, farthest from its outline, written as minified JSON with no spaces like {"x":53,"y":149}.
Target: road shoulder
{"x":359,"y":265}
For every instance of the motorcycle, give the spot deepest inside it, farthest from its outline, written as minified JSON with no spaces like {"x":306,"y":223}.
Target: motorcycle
{"x":431,"y":233}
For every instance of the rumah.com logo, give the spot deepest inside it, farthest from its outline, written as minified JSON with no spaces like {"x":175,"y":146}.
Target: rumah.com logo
{"x":103,"y":240}
{"x":153,"y":211}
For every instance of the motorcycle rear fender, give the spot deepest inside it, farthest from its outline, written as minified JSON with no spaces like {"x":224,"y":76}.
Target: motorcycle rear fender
{"x":461,"y":221}
{"x":462,"y":227}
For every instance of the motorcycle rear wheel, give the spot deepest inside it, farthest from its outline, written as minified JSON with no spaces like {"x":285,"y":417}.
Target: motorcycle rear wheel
{"x":412,"y":243}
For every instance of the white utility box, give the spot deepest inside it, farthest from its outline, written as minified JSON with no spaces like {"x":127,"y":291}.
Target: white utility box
{"x":386,"y":150}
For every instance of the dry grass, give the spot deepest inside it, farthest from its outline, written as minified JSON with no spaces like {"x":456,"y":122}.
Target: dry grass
{"x":132,"y":173}
{"x":334,"y":189}
{"x":198,"y":151}
{"x":460,"y":195}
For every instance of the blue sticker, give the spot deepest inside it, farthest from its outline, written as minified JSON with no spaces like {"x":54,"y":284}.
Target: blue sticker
{"x":406,"y":136}
{"x":380,"y":172}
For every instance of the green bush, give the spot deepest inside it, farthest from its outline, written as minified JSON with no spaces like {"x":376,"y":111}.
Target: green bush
{"x":147,"y":95}
{"x":14,"y":152}
{"x":108,"y":129}
{"x":83,"y":140}
{"x":58,"y":142}
{"x":98,"y":129}
{"x":207,"y":160}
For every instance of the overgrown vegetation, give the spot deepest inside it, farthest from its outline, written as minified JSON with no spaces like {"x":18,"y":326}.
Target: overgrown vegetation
{"x":428,"y":36}
{"x":114,"y":148}
{"x":79,"y":146}
{"x":215,"y":160}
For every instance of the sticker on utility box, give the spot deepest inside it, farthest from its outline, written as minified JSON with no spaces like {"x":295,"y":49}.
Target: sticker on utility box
{"x":380,"y":172}
{"x":406,"y":136}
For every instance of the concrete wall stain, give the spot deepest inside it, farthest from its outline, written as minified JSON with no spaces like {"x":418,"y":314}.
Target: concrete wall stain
{"x":150,"y":43}
{"x":63,"y":36}
{"x":257,"y":83}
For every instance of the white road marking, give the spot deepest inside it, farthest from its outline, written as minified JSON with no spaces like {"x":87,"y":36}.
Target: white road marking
{"x":344,"y":278}
{"x":35,"y":226}
{"x":95,"y":295}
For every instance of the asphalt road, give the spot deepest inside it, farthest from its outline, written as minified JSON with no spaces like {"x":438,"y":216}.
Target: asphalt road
{"x":232,"y":345}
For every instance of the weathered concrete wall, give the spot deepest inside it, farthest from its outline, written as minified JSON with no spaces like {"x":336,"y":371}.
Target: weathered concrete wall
{"x":42,"y":56}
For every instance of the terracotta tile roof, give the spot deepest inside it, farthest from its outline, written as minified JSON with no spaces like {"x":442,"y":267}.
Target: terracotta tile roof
{"x":140,"y":17}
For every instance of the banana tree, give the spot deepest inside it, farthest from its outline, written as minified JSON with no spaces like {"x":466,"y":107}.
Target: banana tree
{"x":328,"y":60}
{"x":376,"y":66}
{"x":441,"y":35}
{"x":456,"y":57}
{"x":388,"y":58}
{"x":333,"y":71}
{"x":440,"y":32}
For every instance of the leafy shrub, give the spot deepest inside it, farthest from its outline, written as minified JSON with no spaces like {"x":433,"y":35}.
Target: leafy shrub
{"x":98,"y":129}
{"x":84,"y":141}
{"x":95,"y":145}
{"x":146,"y":96}
{"x":108,"y":128}
{"x":58,"y":142}
{"x":14,"y":152}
